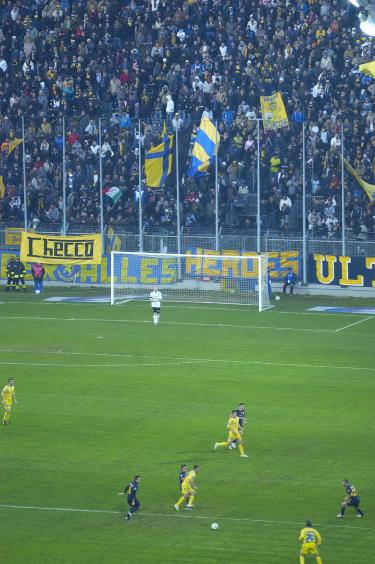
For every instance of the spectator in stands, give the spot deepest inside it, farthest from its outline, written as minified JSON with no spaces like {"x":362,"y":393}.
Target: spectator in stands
{"x":121,"y":60}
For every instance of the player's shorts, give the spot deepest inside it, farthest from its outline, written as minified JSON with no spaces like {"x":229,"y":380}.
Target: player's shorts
{"x":7,"y":403}
{"x":156,"y":309}
{"x":234,"y":436}
{"x":353,"y":501}
{"x":187,"y":490}
{"x":309,"y":548}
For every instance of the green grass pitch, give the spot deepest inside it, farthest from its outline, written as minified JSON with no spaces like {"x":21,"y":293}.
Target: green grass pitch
{"x":104,"y":395}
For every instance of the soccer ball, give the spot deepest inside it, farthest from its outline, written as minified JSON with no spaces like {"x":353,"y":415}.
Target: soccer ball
{"x":37,"y":291}
{"x":277,"y":298}
{"x":215,"y":526}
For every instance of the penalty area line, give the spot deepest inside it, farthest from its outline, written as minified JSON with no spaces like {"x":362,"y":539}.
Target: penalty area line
{"x":172,"y":323}
{"x":175,"y":516}
{"x":170,"y":360}
{"x":353,"y":324}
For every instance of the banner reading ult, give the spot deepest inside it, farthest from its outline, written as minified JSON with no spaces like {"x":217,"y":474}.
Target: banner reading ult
{"x":50,"y":249}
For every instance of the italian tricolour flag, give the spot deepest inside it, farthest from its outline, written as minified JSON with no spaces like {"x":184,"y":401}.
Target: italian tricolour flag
{"x":114,"y":193}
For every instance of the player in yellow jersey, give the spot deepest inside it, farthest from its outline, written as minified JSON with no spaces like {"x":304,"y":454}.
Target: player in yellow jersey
{"x":310,"y":539}
{"x":235,"y":434}
{"x":8,"y":395}
{"x":188,"y":489}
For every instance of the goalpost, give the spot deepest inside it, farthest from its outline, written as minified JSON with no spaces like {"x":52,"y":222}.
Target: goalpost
{"x":209,"y":278}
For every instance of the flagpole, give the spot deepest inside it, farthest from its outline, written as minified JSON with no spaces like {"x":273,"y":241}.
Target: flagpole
{"x":216,"y":192}
{"x":258,"y":185}
{"x":343,"y":242}
{"x":101,"y":186}
{"x":64,"y":177}
{"x":178,"y":194}
{"x":140,"y":188}
{"x":24,"y":173}
{"x":304,"y":256}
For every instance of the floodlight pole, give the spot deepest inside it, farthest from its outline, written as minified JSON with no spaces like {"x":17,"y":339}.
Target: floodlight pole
{"x":343,"y":241}
{"x":304,"y":245}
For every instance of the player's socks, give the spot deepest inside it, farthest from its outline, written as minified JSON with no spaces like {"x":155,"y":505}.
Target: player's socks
{"x":301,"y":560}
{"x":191,"y":501}
{"x":342,"y":511}
{"x":359,"y":512}
{"x":180,"y":501}
{"x":241,"y":449}
{"x":224,"y":444}
{"x":155,"y":319}
{"x":319,"y":560}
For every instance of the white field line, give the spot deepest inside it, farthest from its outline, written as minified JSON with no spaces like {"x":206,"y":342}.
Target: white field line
{"x":194,"y":324}
{"x":127,"y":365}
{"x":177,"y":516}
{"x":173,"y":359}
{"x":243,"y":309}
{"x":352,"y":324}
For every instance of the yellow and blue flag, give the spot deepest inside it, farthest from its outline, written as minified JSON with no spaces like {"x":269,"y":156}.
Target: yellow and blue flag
{"x":158,"y":162}
{"x":368,"y":188}
{"x":205,"y":147}
{"x":13,"y":144}
{"x":368,"y":68}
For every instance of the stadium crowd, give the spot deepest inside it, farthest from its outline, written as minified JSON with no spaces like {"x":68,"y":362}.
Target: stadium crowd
{"x":156,"y":60}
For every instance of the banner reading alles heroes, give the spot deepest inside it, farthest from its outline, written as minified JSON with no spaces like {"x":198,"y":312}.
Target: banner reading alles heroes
{"x":51,"y":249}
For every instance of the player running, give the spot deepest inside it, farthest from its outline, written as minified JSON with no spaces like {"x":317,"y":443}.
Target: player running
{"x":351,"y":500}
{"x":155,"y":299}
{"x":188,"y":489}
{"x":131,"y":490}
{"x":310,"y":539}
{"x":8,"y":396}
{"x":234,"y":434}
{"x":241,"y":414}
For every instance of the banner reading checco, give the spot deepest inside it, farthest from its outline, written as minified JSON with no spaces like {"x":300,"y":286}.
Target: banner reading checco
{"x":50,"y":249}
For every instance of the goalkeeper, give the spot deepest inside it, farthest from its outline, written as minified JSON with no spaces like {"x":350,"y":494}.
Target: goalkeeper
{"x":155,"y":299}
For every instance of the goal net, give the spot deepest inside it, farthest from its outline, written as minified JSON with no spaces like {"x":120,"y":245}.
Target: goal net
{"x":209,"y":278}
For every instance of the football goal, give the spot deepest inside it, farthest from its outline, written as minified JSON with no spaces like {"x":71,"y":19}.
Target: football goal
{"x":193,"y":278}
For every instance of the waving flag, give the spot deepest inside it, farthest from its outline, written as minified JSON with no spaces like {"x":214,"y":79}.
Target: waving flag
{"x":368,"y":68}
{"x":158,"y":161}
{"x":205,"y":147}
{"x":113,"y":192}
{"x":368,"y":188}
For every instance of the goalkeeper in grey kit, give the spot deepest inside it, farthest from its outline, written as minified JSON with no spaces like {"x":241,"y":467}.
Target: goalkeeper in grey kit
{"x":155,"y":299}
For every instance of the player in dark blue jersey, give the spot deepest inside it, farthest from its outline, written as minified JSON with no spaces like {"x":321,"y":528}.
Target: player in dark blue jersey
{"x":352,"y":500}
{"x":182,"y":474}
{"x":131,"y":491}
{"x":241,"y":414}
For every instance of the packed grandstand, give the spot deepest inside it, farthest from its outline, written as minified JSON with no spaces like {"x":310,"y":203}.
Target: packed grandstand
{"x":70,"y":68}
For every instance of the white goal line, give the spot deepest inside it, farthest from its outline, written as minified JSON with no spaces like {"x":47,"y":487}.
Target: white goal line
{"x":176,"y":516}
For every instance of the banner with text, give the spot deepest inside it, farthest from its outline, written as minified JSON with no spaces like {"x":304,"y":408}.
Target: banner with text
{"x":356,"y":272}
{"x":51,"y":249}
{"x":143,"y":270}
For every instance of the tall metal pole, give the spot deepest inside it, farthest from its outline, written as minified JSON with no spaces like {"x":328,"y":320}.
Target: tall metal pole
{"x":178,"y":194}
{"x":24,"y":173}
{"x":343,"y":241}
{"x":304,"y":246}
{"x":140,"y":189}
{"x":64,"y":177}
{"x":216,"y":194}
{"x":258,"y":185}
{"x":101,"y":186}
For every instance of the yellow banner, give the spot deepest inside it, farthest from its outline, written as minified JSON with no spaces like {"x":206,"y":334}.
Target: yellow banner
{"x":13,"y":236}
{"x":273,"y":112}
{"x":50,"y":249}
